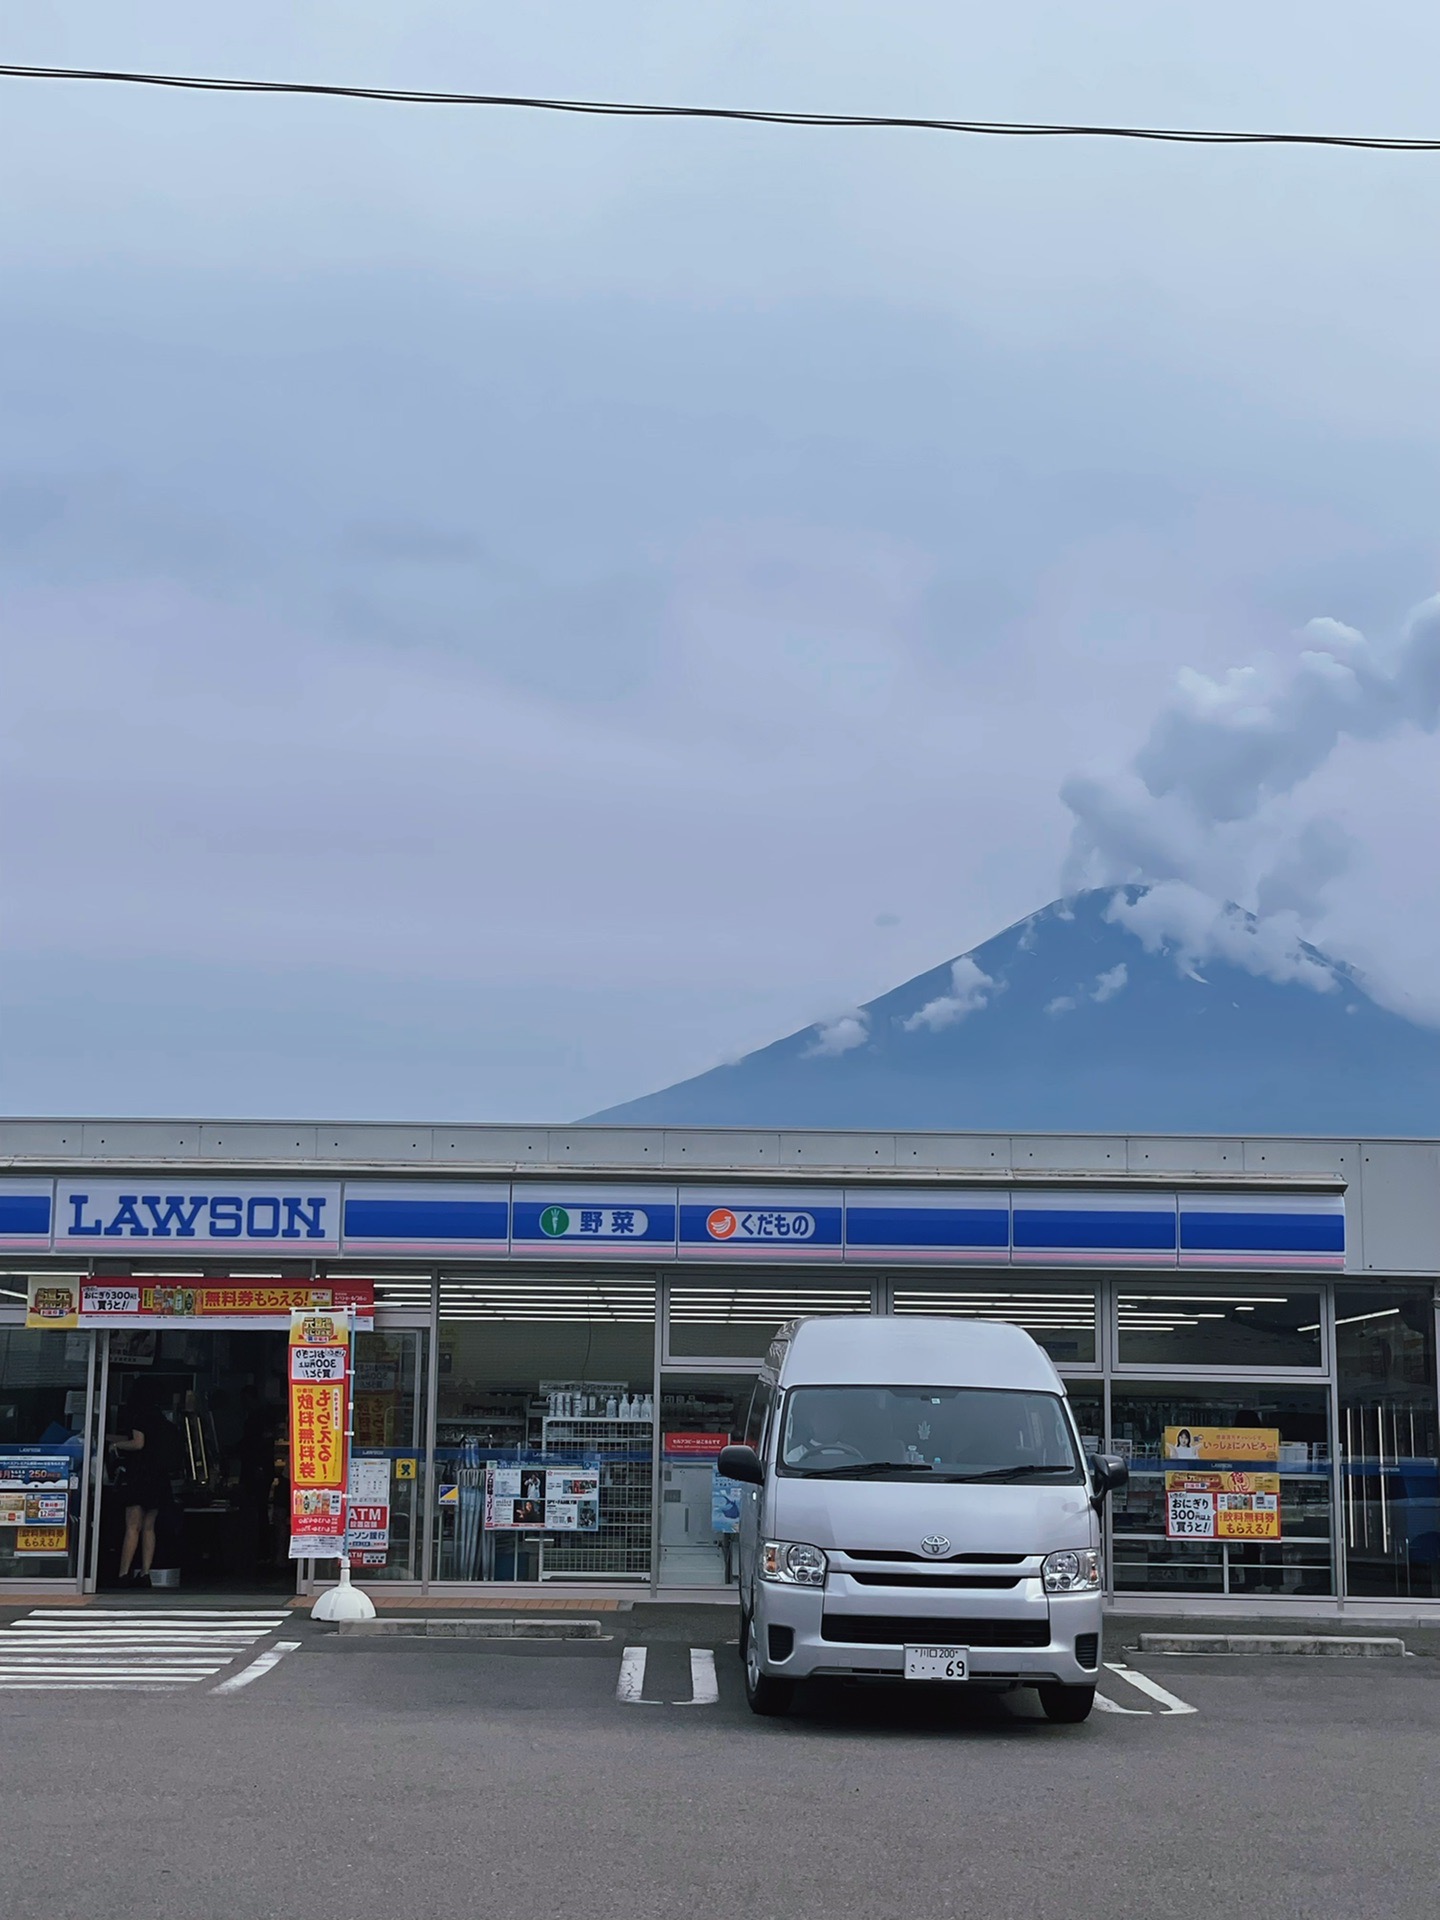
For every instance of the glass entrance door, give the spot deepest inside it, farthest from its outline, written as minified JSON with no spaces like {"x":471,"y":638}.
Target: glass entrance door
{"x":46,"y":1392}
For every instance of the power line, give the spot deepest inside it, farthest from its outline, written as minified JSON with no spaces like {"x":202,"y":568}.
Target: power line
{"x":620,"y":109}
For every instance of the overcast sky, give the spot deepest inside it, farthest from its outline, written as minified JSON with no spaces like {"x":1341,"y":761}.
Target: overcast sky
{"x":502,"y":611}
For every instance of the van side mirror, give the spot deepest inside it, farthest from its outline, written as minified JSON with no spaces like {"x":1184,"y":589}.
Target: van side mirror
{"x":741,"y":1463}
{"x":1109,"y":1473}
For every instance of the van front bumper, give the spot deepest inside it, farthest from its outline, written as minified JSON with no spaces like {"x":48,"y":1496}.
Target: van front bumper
{"x":849,"y":1632}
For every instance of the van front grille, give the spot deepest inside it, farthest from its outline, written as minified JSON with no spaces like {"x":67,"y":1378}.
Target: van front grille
{"x":899,"y":1630}
{"x":996,"y":1583}
{"x":927,"y":1560}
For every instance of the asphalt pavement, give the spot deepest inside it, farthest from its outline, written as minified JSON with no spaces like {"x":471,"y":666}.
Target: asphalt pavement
{"x":625,"y":1779}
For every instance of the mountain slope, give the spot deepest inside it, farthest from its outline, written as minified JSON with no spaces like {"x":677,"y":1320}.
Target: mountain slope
{"x":1067,"y":1022}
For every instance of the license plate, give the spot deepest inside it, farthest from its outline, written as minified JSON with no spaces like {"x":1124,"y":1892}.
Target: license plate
{"x":937,"y":1663}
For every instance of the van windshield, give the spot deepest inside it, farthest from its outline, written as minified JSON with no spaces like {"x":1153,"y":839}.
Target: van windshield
{"x":950,"y":1433}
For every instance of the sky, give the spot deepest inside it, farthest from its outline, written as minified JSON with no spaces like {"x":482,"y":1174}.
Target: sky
{"x":503,"y":611}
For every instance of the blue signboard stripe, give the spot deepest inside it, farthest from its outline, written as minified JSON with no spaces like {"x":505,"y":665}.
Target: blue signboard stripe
{"x":1211,"y":1232}
{"x":427,"y":1219}
{"x":1121,"y":1228}
{"x":27,"y":1213}
{"x":927,"y":1227}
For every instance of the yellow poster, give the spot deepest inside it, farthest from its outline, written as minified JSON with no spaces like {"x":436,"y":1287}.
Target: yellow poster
{"x":1222,"y":1444}
{"x":50,"y":1302}
{"x":1222,"y":1506}
{"x":42,"y":1539}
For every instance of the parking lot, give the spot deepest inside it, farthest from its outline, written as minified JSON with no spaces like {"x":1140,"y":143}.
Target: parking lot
{"x":626,"y":1777}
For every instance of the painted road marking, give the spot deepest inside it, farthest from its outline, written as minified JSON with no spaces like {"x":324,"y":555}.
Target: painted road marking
{"x":1107,"y":1705}
{"x":1169,"y":1702}
{"x":262,"y":1663}
{"x":119,"y":1649}
{"x":630,"y":1687}
{"x":704,"y":1682}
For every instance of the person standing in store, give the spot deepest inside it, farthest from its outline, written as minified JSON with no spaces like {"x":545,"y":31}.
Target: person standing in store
{"x":150,"y":1445}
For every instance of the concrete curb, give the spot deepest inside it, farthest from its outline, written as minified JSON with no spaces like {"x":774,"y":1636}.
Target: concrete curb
{"x":1344,"y":1645}
{"x":473,"y":1629}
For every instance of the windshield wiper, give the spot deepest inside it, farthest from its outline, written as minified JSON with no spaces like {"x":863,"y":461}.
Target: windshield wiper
{"x":1008,"y":1473}
{"x":864,"y":1469}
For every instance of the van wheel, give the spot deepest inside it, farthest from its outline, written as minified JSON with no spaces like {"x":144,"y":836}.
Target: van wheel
{"x":765,"y":1694}
{"x":1068,"y":1705}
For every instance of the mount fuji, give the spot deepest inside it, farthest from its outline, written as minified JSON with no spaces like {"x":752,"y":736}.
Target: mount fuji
{"x":1132,"y":1010}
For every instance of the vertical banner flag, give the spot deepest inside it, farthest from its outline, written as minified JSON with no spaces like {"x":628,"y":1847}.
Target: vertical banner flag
{"x":319,"y":1399}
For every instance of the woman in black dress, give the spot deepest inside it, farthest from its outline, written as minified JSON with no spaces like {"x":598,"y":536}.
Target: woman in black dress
{"x":144,"y":1479}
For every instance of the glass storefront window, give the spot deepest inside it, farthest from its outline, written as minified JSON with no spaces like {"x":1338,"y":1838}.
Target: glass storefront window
{"x":545,"y":1428}
{"x":1385,"y":1376}
{"x":1063,"y":1323}
{"x":1158,"y":1325}
{"x":699,"y":1513}
{"x":720,"y":1321}
{"x":390,"y":1449}
{"x":43,"y":1386}
{"x":1299,"y":1562}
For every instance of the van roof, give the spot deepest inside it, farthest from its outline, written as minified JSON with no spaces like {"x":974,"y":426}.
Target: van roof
{"x":915,"y":1350}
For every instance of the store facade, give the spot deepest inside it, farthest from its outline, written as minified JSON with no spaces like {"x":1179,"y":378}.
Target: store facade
{"x":557,"y":1329}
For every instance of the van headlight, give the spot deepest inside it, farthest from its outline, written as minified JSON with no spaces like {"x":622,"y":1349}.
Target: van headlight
{"x":793,"y":1562}
{"x":1072,"y":1572}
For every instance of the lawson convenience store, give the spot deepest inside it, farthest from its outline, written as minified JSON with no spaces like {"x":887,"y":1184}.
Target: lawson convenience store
{"x":558,"y":1328}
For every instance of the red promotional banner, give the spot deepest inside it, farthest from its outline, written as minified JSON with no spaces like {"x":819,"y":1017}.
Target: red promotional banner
{"x":695,"y":1446}
{"x":148,"y":1301}
{"x":319,"y":1402}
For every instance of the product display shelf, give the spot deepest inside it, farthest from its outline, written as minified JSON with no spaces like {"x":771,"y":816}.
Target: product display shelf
{"x":620,"y":1547}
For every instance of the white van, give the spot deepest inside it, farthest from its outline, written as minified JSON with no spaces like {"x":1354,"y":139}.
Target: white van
{"x":918,"y":1505}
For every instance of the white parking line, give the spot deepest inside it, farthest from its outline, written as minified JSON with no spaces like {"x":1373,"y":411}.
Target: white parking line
{"x":1107,"y":1705}
{"x":630,"y":1686}
{"x":704,"y":1683}
{"x":1169,"y":1703}
{"x":261,"y":1664}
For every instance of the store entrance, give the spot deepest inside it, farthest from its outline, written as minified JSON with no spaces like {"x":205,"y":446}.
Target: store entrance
{"x":217,"y":1400}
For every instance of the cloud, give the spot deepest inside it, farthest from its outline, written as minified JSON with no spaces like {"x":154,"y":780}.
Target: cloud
{"x":1208,"y":810}
{"x":1179,"y":919}
{"x":840,"y":1035}
{"x":1062,"y":1003}
{"x":971,"y":988}
{"x":1109,"y":983}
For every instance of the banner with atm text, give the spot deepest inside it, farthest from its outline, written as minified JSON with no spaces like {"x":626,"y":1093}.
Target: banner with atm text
{"x":319,"y":1373}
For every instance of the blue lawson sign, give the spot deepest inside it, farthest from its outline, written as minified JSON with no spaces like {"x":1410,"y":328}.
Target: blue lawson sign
{"x":25,"y":1207}
{"x":427,"y":1216}
{"x":592,"y":1222}
{"x":927,"y":1226}
{"x":190,"y":1214}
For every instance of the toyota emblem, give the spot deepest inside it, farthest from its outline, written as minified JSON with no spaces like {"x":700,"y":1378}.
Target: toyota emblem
{"x":935,"y":1543}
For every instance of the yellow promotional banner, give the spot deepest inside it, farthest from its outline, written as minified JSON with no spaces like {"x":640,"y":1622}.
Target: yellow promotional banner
{"x":319,"y":1401}
{"x":42,"y":1539}
{"x":51,"y":1303}
{"x":1222,"y":1506}
{"x":1223,"y":1444}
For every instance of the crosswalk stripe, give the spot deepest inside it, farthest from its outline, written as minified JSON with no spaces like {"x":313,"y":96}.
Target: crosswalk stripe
{"x":124,"y":1649}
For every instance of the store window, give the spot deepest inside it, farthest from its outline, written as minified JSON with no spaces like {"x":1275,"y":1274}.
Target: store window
{"x":1158,"y":1325}
{"x":545,"y":1428}
{"x":387,"y":1475}
{"x":1251,"y":1469}
{"x":699,"y":1511}
{"x":1061,"y":1321}
{"x":716,"y":1321}
{"x":43,"y":1392}
{"x":1390,"y":1479}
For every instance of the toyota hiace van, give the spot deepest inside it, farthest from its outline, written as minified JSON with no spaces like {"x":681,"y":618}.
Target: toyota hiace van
{"x":918,"y":1506}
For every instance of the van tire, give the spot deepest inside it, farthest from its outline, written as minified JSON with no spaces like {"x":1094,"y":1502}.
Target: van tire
{"x":1067,"y":1705}
{"x":763,"y":1692}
